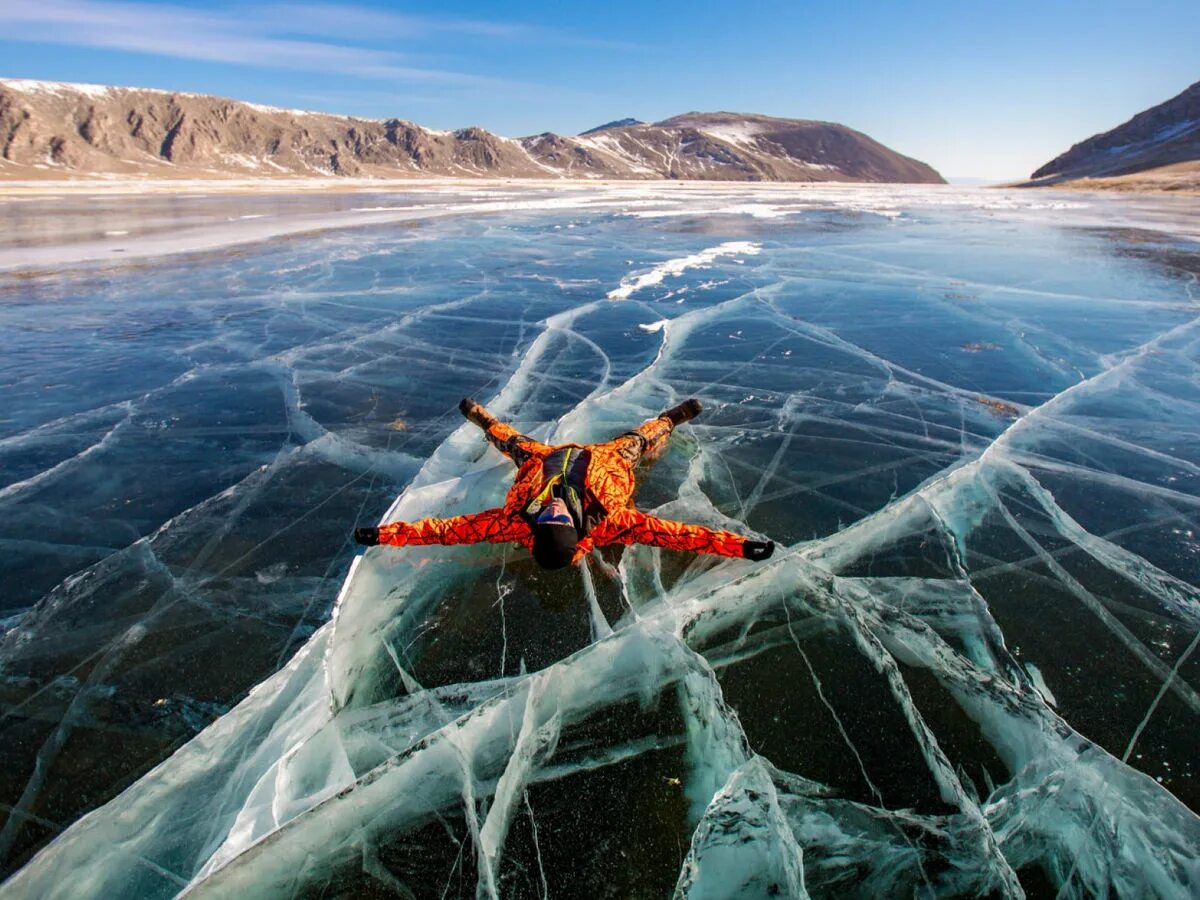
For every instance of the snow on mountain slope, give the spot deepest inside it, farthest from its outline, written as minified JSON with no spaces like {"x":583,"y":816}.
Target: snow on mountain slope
{"x":52,"y":130}
{"x":1167,"y":135}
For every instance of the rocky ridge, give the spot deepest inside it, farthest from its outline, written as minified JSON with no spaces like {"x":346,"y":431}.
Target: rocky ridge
{"x":615,"y":123}
{"x":53,"y":130}
{"x":1160,"y":144}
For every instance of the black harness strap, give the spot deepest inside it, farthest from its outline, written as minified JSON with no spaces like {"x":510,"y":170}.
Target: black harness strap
{"x":564,"y":476}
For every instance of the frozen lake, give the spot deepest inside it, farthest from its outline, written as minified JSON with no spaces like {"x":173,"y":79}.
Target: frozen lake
{"x":969,"y":418}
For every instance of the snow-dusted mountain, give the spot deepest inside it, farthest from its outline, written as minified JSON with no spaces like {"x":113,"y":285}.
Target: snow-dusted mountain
{"x":615,"y":123}
{"x":1164,"y":139}
{"x":727,"y":146}
{"x":50,"y":129}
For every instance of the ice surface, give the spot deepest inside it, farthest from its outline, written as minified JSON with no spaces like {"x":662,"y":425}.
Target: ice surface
{"x":969,"y":669}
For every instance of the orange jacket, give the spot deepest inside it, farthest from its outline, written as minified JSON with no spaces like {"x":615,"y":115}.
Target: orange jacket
{"x":608,"y":511}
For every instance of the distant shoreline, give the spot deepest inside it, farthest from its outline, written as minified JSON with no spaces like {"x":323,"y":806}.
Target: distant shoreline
{"x":130,"y":185}
{"x":1175,"y":181}
{"x":1179,"y":178}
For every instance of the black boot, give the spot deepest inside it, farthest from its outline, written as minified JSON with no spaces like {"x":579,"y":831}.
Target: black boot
{"x":475,"y":412}
{"x":684,"y":412}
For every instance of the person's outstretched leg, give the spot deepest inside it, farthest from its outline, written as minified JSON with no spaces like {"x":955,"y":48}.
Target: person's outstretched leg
{"x":476,"y":412}
{"x":650,"y":436}
{"x":501,"y":435}
{"x":684,"y":412}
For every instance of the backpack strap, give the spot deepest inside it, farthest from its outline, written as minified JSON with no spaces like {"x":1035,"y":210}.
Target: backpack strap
{"x":564,"y":475}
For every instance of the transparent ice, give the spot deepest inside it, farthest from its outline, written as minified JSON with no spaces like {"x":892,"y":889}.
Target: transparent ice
{"x":971,"y":422}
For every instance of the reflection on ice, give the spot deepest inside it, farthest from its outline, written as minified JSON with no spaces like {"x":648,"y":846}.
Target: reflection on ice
{"x":971,"y":669}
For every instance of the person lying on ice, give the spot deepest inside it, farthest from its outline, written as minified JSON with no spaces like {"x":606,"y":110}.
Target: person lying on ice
{"x":567,"y":499}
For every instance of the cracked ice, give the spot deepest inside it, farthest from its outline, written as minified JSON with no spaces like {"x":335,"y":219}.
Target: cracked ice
{"x":970,"y":668}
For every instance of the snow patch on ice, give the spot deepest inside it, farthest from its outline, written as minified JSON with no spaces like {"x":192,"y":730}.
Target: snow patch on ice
{"x":674,"y":267}
{"x":653,"y":327}
{"x":1039,"y":682}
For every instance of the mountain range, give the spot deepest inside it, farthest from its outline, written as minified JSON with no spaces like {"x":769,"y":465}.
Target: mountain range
{"x":1158,"y":148}
{"x":52,"y":130}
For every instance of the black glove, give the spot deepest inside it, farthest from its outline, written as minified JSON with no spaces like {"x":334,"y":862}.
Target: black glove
{"x":684,"y":412}
{"x":758,"y":550}
{"x":368,"y":537}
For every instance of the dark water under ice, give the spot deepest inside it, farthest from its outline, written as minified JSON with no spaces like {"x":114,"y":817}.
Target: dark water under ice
{"x":972,"y":430}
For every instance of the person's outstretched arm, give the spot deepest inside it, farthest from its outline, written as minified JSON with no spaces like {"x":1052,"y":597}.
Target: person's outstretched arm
{"x":501,"y":435}
{"x":629,"y":526}
{"x":492,"y":526}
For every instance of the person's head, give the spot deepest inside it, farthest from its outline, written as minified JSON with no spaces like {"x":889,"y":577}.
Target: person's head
{"x":554,"y":536}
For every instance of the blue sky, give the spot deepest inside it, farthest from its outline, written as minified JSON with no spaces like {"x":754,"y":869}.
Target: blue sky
{"x":975,"y":88}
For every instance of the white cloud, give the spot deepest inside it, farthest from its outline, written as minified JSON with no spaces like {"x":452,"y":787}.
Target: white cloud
{"x":337,"y":20}
{"x":271,"y":36}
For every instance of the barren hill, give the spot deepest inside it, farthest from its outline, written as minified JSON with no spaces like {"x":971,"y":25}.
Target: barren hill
{"x":1159,"y":147}
{"x":50,"y":129}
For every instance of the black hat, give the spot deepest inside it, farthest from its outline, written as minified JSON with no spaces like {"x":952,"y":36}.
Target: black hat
{"x":554,"y":545}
